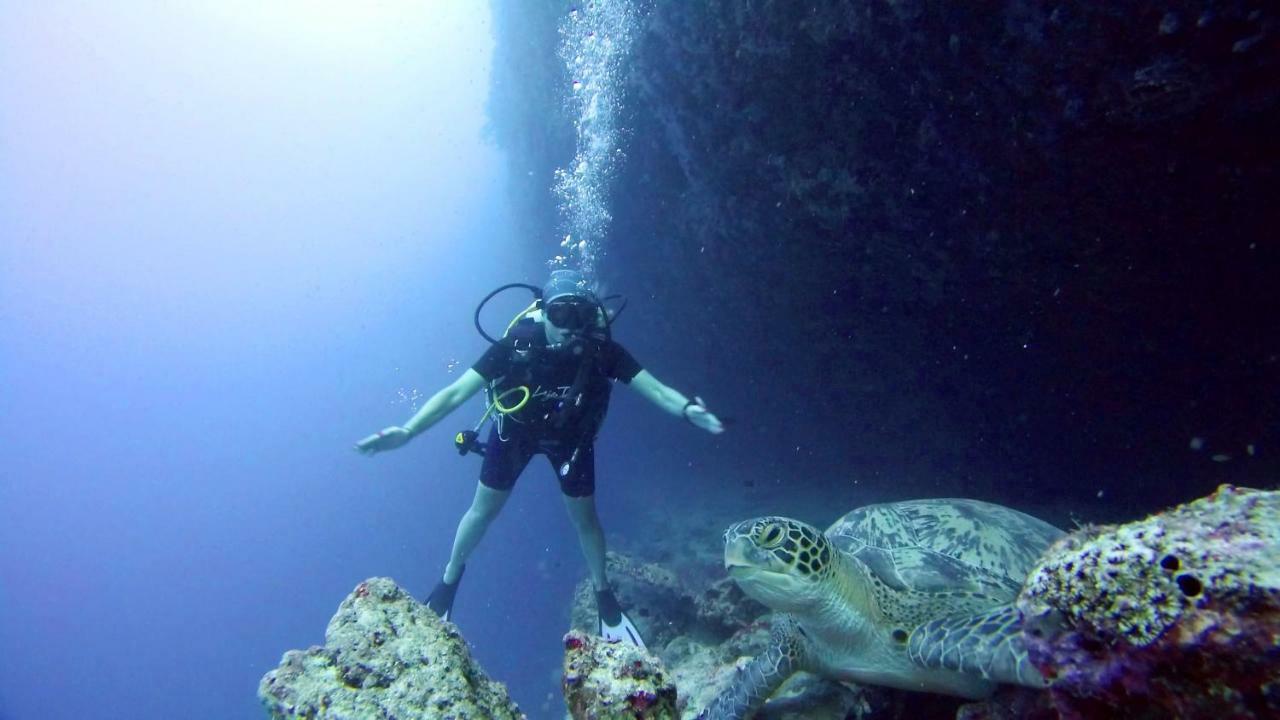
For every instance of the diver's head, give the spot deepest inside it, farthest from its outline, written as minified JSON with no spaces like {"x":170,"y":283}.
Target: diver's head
{"x":568,"y":304}
{"x":566,"y":284}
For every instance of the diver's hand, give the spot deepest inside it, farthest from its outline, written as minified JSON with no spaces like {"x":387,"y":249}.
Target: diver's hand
{"x":386,"y":439}
{"x":698,"y":414}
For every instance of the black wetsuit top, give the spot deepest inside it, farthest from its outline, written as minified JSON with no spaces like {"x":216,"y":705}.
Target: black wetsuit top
{"x":544,"y":425}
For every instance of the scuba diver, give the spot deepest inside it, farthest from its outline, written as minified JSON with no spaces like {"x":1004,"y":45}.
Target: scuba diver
{"x":547,"y":382}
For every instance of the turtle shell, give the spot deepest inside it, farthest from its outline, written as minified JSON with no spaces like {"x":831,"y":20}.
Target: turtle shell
{"x":948,"y":544}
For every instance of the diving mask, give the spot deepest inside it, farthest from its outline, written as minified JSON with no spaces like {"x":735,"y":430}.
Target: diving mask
{"x":571,"y":314}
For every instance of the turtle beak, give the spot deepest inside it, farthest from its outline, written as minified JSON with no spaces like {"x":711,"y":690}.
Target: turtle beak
{"x":736,"y":546}
{"x":766,"y":586}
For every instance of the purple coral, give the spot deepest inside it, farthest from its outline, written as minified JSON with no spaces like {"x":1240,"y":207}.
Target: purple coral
{"x":1186,"y":622}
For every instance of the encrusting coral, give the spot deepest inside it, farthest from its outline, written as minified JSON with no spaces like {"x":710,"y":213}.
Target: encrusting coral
{"x":615,"y":681}
{"x":385,"y":656}
{"x":1176,"y":614}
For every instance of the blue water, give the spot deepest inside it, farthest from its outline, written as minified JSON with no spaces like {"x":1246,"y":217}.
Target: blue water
{"x":233,"y":239}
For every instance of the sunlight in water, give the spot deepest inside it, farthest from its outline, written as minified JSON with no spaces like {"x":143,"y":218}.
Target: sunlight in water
{"x":350,"y":24}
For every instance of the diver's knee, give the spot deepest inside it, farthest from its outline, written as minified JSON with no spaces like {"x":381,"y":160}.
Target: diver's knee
{"x":482,"y":513}
{"x":486,"y":505}
{"x":587,"y":526}
{"x":584,"y":519}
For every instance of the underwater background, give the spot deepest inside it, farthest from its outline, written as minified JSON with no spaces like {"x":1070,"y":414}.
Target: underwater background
{"x":1024,"y":252}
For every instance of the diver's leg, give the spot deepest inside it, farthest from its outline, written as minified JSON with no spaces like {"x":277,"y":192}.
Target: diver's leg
{"x":503,"y":462}
{"x":582,"y":511}
{"x":485,"y":506}
{"x":577,"y":476}
{"x":578,"y":485}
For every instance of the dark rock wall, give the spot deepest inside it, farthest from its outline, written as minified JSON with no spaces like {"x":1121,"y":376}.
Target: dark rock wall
{"x":1008,"y":244}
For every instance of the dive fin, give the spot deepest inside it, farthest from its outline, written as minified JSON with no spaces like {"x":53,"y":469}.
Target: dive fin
{"x":441,"y":598}
{"x":615,"y":626}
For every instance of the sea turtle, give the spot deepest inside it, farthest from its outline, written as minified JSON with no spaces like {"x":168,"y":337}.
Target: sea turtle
{"x":915,"y":595}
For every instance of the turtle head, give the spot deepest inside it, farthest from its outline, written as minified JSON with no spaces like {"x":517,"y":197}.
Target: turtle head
{"x":781,"y":562}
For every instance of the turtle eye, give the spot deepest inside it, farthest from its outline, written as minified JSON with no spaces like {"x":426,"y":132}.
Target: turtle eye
{"x":769,"y":536}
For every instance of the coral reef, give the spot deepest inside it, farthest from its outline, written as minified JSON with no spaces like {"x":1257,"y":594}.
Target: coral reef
{"x":1176,"y":615}
{"x":614,"y":681}
{"x":385,"y":656}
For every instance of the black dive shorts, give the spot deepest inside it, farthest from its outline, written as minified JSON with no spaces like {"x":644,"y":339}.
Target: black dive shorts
{"x":504,"y":460}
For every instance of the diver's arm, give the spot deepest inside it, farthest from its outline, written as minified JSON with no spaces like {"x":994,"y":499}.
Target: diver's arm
{"x":445,"y":401}
{"x":435,"y":409}
{"x":674,"y":402}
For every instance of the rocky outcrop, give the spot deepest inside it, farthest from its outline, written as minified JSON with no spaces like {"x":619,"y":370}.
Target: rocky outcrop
{"x":385,"y":656}
{"x":615,"y":681}
{"x":1177,"y":615}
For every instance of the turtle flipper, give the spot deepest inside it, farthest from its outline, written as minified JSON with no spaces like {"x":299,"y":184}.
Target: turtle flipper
{"x":987,"y":644}
{"x":756,"y":682}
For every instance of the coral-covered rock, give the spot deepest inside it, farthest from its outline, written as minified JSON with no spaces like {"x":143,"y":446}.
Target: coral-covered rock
{"x":385,"y":656}
{"x":1177,"y":615}
{"x":614,"y":681}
